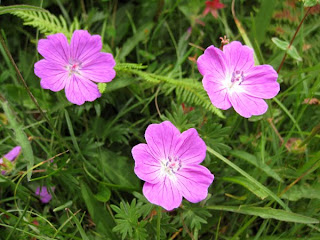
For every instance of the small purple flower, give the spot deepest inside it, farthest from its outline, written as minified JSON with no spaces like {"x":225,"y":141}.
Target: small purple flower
{"x":45,"y":196}
{"x":231,"y":79}
{"x":170,"y":166}
{"x":73,"y":67}
{"x":11,"y":156}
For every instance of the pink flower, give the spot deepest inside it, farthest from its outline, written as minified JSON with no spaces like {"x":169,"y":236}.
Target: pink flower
{"x":74,"y":67}
{"x":45,"y":196}
{"x":170,"y":166}
{"x":231,"y":79}
{"x":213,"y":6}
{"x":11,"y":156}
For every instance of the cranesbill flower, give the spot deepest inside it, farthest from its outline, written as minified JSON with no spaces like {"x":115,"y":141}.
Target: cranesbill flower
{"x":231,"y":79}
{"x":10,"y":156}
{"x":44,"y":194}
{"x":73,"y":67}
{"x":170,"y":166}
{"x":212,"y":7}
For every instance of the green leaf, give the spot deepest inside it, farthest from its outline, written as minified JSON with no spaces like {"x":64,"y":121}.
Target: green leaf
{"x":310,"y":3}
{"x":246,"y":175}
{"x":21,"y":137}
{"x":102,"y":87}
{"x":247,"y":184}
{"x":126,"y":218}
{"x":263,"y":19}
{"x":284,"y":45}
{"x":100,"y":216}
{"x":280,"y":43}
{"x":14,"y":8}
{"x":267,"y":213}
{"x":80,"y":229}
{"x":303,"y":191}
{"x":63,"y":206}
{"x":141,"y":35}
{"x":103,"y":194}
{"x":45,"y":22}
{"x":259,"y":164}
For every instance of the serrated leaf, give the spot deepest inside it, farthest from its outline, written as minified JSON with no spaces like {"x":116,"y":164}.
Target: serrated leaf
{"x":102,"y":87}
{"x":127,"y":216}
{"x":14,"y":8}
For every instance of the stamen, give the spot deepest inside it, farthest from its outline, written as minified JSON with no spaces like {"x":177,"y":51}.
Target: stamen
{"x":171,"y":166}
{"x":73,"y":67}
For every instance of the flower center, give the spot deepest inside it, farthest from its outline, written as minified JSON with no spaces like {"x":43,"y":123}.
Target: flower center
{"x":73,"y":67}
{"x":171,"y":165}
{"x":236,"y":79}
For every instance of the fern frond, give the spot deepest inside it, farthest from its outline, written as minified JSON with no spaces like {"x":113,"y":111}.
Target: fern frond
{"x":44,"y":21}
{"x":187,"y":90}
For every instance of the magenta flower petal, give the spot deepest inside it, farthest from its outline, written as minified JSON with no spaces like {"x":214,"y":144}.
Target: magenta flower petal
{"x":147,"y":167}
{"x":55,"y":48}
{"x":53,"y":76}
{"x":218,"y":93}
{"x":78,"y":90}
{"x":73,"y":67}
{"x":163,"y":194}
{"x":161,"y":139}
{"x":246,"y":105}
{"x":239,"y":57}
{"x":213,"y":63}
{"x":191,"y":149}
{"x":100,"y":69}
{"x":44,"y":194}
{"x":231,"y":79}
{"x":195,"y":177}
{"x":261,"y":82}
{"x":13,"y":154}
{"x":169,"y":163}
{"x":84,"y":46}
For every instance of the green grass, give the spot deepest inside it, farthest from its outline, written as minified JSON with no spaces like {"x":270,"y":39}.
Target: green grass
{"x":266,"y":168}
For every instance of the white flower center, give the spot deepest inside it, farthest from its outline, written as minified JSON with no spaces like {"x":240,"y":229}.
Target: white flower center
{"x":234,"y":80}
{"x":74,"y":67}
{"x":170,"y":166}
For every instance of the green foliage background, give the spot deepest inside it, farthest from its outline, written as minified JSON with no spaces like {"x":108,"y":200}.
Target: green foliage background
{"x":266,"y":168}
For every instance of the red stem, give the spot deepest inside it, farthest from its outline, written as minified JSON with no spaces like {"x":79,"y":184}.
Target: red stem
{"x":294,"y":36}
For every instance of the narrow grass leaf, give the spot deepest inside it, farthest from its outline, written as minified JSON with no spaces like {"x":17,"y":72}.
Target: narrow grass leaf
{"x":248,"y":185}
{"x":259,"y":164}
{"x":266,"y":213}
{"x":251,"y":179}
{"x":63,"y":206}
{"x":263,"y":19}
{"x":80,"y":229}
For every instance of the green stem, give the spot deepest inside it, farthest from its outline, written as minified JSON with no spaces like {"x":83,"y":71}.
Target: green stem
{"x":159,"y":210}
